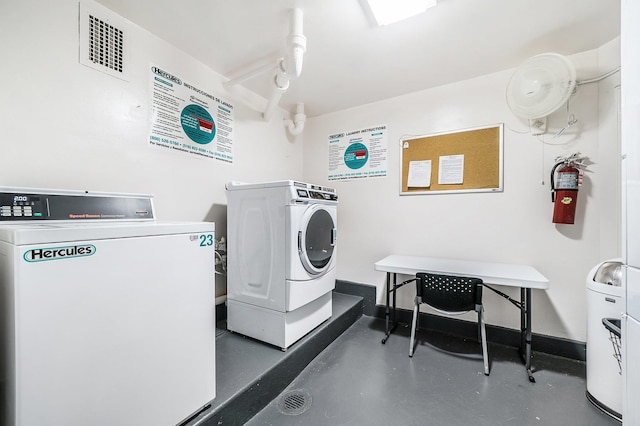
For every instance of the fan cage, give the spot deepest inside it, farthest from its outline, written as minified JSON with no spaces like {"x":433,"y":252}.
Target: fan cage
{"x":541,"y":85}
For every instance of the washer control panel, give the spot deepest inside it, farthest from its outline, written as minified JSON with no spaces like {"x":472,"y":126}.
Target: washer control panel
{"x":21,"y":205}
{"x":32,"y":205}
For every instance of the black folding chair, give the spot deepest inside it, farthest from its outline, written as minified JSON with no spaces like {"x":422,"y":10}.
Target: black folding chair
{"x":451,"y":295}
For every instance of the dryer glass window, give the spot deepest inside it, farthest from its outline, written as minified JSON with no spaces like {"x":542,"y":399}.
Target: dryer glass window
{"x":320,"y":239}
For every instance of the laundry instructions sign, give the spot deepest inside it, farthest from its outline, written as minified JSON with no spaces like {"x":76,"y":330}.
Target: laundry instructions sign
{"x":358,"y":153}
{"x":186,"y":119}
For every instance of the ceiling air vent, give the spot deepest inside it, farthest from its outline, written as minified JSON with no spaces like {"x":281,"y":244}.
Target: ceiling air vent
{"x":103,"y":37}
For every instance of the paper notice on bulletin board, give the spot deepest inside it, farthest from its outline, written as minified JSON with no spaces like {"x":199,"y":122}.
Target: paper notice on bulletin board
{"x":419,"y":174}
{"x":189,"y":120}
{"x":451,"y":169}
{"x":359,"y":153}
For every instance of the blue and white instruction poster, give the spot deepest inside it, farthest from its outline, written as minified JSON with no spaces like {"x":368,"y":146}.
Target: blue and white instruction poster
{"x":359,"y":153}
{"x":187,"y":119}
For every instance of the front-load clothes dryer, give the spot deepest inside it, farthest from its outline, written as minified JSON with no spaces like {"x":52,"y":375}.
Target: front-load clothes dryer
{"x":281,"y":259}
{"x":107,"y":316}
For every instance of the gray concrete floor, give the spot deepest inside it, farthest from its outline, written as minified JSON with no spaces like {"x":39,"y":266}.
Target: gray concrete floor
{"x":357,"y":380}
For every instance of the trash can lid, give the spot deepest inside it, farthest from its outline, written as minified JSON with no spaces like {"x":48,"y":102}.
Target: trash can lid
{"x":609,"y":273}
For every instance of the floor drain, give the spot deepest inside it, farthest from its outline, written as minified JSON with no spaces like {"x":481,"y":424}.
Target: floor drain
{"x":294,"y":402}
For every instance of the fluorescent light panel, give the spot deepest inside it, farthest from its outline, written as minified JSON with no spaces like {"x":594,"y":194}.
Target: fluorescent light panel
{"x":389,"y":11}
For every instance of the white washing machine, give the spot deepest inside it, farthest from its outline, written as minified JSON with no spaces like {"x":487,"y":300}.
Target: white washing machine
{"x":106,"y":316}
{"x":281,"y":259}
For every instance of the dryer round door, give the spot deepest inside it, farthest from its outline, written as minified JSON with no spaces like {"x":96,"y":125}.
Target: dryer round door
{"x":317,"y":239}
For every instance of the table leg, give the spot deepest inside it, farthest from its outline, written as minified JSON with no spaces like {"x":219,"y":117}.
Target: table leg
{"x":387,"y":311}
{"x":523,"y":321}
{"x":525,"y":330}
{"x":395,"y":312}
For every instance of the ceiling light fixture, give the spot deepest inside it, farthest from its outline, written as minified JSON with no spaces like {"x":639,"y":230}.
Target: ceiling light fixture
{"x":389,"y":11}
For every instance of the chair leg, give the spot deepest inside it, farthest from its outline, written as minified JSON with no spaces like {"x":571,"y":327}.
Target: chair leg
{"x":416,"y":312}
{"x":485,"y":352}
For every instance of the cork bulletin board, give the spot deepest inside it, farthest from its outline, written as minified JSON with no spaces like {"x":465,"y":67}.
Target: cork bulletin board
{"x":468,"y":160}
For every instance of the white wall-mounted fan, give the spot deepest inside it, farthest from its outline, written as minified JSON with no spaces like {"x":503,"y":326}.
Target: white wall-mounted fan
{"x":539,"y":86}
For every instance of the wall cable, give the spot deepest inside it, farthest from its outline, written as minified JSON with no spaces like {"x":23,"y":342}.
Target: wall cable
{"x":597,"y":79}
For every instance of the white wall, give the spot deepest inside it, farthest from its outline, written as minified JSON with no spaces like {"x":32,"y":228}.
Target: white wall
{"x":68,"y":126}
{"x":513,"y":226}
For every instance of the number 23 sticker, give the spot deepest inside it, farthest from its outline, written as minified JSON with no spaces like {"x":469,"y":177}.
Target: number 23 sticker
{"x":206,"y":240}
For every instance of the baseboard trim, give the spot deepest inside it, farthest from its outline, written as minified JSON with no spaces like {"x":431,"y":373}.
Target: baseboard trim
{"x":551,"y":345}
{"x":367,"y":292}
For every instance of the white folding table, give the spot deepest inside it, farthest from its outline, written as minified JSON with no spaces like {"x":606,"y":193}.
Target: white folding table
{"x":506,"y":274}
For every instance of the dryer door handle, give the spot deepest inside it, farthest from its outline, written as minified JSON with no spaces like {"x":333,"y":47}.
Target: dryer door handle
{"x":334,"y":235}
{"x":299,"y":242}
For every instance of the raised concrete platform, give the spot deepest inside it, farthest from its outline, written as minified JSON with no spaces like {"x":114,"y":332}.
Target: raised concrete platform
{"x":250,"y":373}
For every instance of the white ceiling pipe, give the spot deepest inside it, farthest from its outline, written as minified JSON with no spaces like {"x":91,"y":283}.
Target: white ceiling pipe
{"x":280,"y":86}
{"x":281,"y":79}
{"x":297,"y":45}
{"x":276,"y":95}
{"x":292,"y":63}
{"x":290,"y":66}
{"x":296,"y":126}
{"x":249,"y":74}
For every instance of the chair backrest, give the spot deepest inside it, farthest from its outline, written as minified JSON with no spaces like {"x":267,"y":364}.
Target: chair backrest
{"x":449,"y":293}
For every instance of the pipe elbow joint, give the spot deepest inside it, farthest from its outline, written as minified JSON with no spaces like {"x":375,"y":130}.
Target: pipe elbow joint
{"x":294,"y":127}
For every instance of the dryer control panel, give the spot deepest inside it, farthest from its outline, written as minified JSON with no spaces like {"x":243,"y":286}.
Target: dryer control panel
{"x":36,"y":205}
{"x":306,"y":192}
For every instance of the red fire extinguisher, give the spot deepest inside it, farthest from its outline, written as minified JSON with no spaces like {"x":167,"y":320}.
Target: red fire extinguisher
{"x":564,"y":192}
